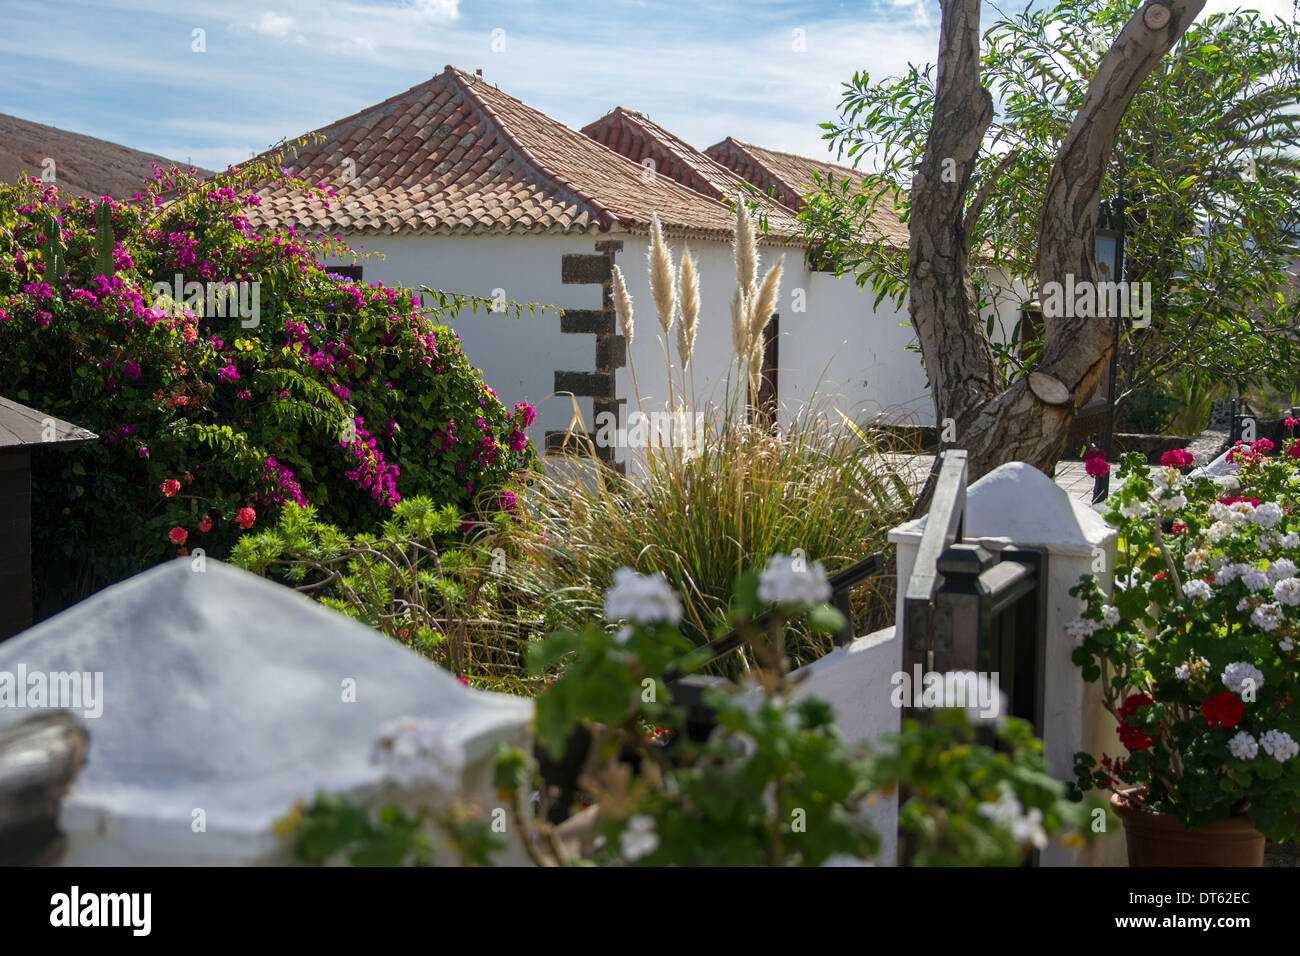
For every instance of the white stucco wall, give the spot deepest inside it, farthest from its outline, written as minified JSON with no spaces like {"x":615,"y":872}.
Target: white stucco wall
{"x":840,"y":349}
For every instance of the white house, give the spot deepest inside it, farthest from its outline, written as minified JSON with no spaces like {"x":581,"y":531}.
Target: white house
{"x":464,"y":188}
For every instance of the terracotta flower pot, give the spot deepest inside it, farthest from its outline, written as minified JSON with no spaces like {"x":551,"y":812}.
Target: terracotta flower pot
{"x":1157,"y":839}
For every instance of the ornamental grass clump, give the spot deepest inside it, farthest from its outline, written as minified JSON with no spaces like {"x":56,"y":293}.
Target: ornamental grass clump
{"x":1196,"y":649}
{"x":729,"y":489}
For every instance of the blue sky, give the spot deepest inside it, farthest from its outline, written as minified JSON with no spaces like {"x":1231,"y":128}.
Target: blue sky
{"x":706,"y":69}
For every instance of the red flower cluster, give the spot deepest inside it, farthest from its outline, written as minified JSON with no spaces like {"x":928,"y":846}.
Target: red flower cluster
{"x":1132,"y":738}
{"x":1176,"y":458}
{"x":177,"y":535}
{"x":170,"y":487}
{"x":1224,"y":709}
{"x":245,"y":518}
{"x":1094,"y":462}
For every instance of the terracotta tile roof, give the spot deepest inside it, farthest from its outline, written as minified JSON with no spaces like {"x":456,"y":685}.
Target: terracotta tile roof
{"x":455,"y":155}
{"x":790,"y":178}
{"x":632,"y":134}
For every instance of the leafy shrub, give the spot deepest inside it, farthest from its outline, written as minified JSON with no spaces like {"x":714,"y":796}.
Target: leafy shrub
{"x":419,"y":580}
{"x":1195,"y":651}
{"x":345,"y":396}
{"x":772,"y":783}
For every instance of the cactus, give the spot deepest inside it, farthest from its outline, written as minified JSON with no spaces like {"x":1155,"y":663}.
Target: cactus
{"x":52,"y":252}
{"x":104,"y":240}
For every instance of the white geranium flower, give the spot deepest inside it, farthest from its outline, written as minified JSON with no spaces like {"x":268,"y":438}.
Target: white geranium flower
{"x":420,"y":751}
{"x":1243,"y":746}
{"x":1079,"y":630}
{"x":1267,"y":514}
{"x":1008,"y":813}
{"x":1195,"y":561}
{"x":1267,"y":617}
{"x":1135,"y":509}
{"x":1287,"y":591}
{"x":1291,"y":540}
{"x":1240,"y":675}
{"x":1267,"y":541}
{"x":1184,"y":671}
{"x":793,"y":581}
{"x":1218,"y":531}
{"x":1281,"y":568}
{"x":638,"y":839}
{"x":1218,"y":511}
{"x":1278,"y":745}
{"x":845,"y":859}
{"x":1197,"y":590}
{"x":1230,"y":572}
{"x":1286,"y":644}
{"x":642,"y":598}
{"x":1255,"y":579}
{"x":1109,"y":615}
{"x":1241,"y":512}
{"x":1175,"y":503}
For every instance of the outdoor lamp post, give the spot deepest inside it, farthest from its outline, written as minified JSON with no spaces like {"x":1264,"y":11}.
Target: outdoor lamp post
{"x":1110,"y":268}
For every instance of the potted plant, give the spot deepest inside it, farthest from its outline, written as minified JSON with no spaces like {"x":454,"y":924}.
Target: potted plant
{"x":1196,"y":656}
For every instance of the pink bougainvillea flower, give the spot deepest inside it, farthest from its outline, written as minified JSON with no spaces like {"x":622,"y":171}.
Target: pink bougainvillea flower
{"x":170,"y":487}
{"x":177,"y":535}
{"x":246,"y":518}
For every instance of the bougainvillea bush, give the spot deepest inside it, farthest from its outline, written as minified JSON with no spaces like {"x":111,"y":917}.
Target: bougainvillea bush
{"x":1196,"y":651}
{"x":214,"y":411}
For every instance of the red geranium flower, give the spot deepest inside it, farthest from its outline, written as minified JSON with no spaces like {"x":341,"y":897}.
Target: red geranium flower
{"x":1176,"y":458}
{"x":246,"y":518}
{"x":177,"y":535}
{"x":1131,"y":737}
{"x":170,"y":487}
{"x":1224,"y":709}
{"x":205,"y":523}
{"x":1094,"y":462}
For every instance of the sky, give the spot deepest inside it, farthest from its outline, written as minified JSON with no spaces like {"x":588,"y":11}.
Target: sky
{"x":137,"y":72}
{"x":764,"y":71}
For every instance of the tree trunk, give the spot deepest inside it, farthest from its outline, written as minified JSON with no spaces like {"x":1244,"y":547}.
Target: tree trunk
{"x":1030,"y":420}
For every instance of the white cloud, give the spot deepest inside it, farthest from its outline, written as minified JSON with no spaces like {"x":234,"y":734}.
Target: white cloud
{"x":273,"y":24}
{"x":443,"y":11}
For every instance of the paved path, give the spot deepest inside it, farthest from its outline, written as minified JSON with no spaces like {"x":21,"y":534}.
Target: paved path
{"x":1069,"y":474}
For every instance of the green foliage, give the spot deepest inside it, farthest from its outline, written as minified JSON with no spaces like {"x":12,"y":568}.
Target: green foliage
{"x":419,"y":579}
{"x":302,"y":387}
{"x":1205,"y":163}
{"x":773,"y":784}
{"x":701,"y":520}
{"x":1196,"y":650}
{"x":334,"y":829}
